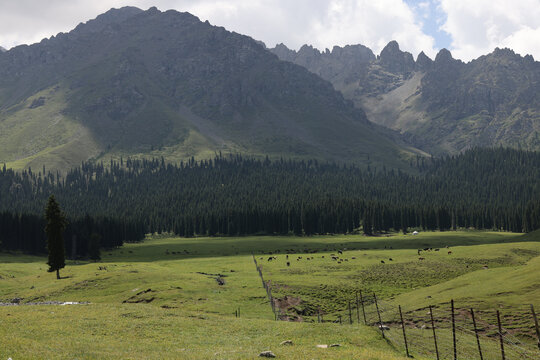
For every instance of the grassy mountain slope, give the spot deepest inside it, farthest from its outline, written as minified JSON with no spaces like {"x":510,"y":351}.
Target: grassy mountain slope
{"x":151,"y":83}
{"x":442,"y":106}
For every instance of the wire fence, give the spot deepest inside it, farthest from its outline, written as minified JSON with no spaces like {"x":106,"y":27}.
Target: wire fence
{"x":439,"y":332}
{"x":446,"y":331}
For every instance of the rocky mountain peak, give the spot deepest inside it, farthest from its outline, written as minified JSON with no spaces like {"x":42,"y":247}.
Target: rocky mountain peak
{"x":504,"y":56}
{"x":395,"y":60}
{"x":423,"y":62}
{"x":503,"y":52}
{"x":444,"y":56}
{"x":359,"y":53}
{"x":113,"y":16}
{"x":307,"y":54}
{"x":284,"y":53}
{"x":308,"y":49}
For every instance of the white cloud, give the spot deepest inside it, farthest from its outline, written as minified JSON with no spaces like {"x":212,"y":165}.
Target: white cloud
{"x":371,"y":23}
{"x":477,"y":27}
{"x":29,"y":21}
{"x":322,"y":23}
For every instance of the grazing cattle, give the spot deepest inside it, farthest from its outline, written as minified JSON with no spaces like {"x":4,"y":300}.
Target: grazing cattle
{"x":436,"y":249}
{"x":449,"y":252}
{"x":421,"y":258}
{"x":308,"y":258}
{"x":382,"y":262}
{"x":418,"y":251}
{"x":340,"y":252}
{"x":390,"y":259}
{"x":322,"y":256}
{"x":270,"y":258}
{"x":334,"y":258}
{"x":426,"y":249}
{"x":288,"y":263}
{"x":287,"y":256}
{"x":354,"y":258}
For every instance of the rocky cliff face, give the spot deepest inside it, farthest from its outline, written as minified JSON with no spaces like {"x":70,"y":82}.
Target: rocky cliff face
{"x":441,"y":105}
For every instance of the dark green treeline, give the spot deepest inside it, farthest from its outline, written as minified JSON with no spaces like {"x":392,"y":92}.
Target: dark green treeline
{"x":482,"y":189}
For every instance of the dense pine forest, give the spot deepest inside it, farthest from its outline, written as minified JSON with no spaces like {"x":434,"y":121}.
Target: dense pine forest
{"x":230,"y":195}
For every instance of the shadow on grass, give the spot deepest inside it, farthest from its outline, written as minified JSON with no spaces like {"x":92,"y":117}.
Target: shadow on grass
{"x":186,"y":248}
{"x":162,"y":248}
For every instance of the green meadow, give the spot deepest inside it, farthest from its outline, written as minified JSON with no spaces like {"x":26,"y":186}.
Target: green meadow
{"x":162,"y":298}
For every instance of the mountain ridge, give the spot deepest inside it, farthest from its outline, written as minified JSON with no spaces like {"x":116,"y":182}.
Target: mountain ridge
{"x":151,"y":83}
{"x":442,"y":105}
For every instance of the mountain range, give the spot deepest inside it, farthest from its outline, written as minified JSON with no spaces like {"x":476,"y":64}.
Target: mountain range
{"x":442,"y":106}
{"x":150,"y":83}
{"x":134,"y":83}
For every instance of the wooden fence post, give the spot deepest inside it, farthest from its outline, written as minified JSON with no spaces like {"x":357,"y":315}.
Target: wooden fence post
{"x":404,"y":335}
{"x":363,"y":310}
{"x":500,"y":334}
{"x":357,"y":309}
{"x":476,"y":333}
{"x":379,"y":313}
{"x":350,"y":313}
{"x":454,"y":329}
{"x":433,"y":328}
{"x":536,"y":325}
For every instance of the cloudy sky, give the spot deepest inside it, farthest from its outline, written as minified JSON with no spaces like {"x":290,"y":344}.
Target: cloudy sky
{"x":469,"y":28}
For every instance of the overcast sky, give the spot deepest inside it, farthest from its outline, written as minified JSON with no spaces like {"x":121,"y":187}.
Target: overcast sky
{"x":468,"y":28}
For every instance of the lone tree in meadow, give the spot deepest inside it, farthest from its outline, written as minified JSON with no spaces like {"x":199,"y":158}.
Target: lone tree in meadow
{"x":56,"y":223}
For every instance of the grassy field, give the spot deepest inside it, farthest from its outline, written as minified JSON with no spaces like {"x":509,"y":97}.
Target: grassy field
{"x":161,"y":298}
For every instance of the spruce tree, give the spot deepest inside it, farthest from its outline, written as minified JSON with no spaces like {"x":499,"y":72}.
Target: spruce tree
{"x":56,"y":223}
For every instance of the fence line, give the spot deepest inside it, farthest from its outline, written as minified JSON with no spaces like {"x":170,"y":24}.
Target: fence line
{"x":268,"y":288}
{"x":431,"y":332}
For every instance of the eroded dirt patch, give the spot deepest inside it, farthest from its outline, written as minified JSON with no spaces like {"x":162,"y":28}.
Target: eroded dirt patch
{"x":138,"y":298}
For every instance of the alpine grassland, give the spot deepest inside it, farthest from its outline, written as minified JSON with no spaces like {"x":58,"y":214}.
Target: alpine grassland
{"x":202,"y":298}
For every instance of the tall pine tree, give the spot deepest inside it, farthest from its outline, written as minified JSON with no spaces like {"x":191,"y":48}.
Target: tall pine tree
{"x":56,"y":223}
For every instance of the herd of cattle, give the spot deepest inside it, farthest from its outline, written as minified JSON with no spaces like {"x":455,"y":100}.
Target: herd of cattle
{"x":339,"y":259}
